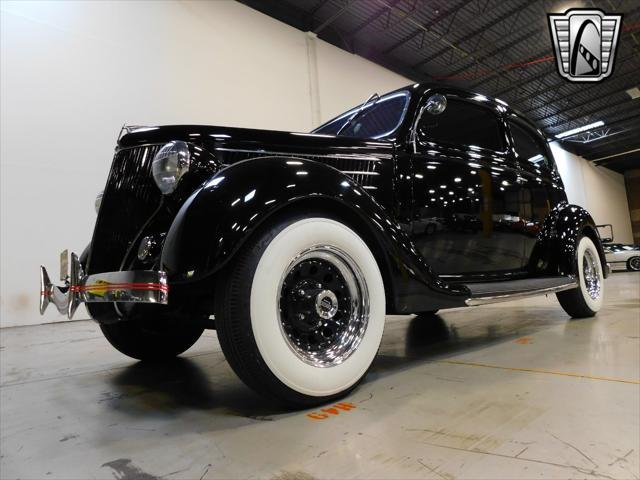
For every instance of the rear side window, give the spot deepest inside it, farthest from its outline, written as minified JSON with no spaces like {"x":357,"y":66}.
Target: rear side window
{"x":528,"y":147}
{"x":463,"y":123}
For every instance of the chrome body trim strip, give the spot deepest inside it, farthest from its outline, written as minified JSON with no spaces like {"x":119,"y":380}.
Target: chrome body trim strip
{"x":474,"y":301}
{"x":373,"y":158}
{"x":139,"y":286}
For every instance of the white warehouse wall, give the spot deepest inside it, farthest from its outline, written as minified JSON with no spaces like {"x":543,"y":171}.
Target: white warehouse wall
{"x":73,"y":72}
{"x":600,"y":191}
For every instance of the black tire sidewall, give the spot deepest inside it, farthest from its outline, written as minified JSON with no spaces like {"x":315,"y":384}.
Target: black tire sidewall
{"x":134,"y":340}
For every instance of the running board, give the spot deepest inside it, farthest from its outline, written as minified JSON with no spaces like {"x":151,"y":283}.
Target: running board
{"x":494,"y":292}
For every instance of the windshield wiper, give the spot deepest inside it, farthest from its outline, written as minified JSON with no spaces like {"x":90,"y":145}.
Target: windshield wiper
{"x":373,"y":98}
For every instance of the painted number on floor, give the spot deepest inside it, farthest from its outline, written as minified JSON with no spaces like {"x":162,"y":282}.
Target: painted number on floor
{"x":331,"y":411}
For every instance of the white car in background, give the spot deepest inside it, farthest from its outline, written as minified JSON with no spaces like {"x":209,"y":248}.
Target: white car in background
{"x":622,"y":257}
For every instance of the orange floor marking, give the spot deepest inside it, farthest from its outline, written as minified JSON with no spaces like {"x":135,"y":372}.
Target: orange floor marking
{"x":332,"y":410}
{"x":537,"y":370}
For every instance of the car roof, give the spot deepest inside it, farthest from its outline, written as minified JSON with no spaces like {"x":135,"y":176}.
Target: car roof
{"x":424,"y":87}
{"x":420,"y":89}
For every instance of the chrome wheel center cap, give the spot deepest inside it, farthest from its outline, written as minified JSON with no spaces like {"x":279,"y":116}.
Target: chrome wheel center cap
{"x":326,"y":304}
{"x":591,"y":275}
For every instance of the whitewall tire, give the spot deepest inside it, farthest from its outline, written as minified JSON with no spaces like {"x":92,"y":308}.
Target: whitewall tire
{"x":300,"y":315}
{"x":587,"y":299}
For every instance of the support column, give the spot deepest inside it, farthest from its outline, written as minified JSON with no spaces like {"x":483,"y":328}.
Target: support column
{"x":314,"y":84}
{"x":632,"y":183}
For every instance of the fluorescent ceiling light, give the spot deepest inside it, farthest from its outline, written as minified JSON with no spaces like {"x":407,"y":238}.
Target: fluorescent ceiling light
{"x":573,"y":131}
{"x":634,"y":92}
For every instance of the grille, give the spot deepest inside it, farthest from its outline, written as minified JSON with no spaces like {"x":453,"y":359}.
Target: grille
{"x":130,"y":198}
{"x":363,"y":170}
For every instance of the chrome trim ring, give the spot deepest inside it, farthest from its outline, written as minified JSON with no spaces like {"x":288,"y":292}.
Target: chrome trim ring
{"x":591,"y":274}
{"x":323,"y":306}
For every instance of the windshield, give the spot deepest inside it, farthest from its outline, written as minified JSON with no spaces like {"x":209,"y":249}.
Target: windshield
{"x":378,"y":119}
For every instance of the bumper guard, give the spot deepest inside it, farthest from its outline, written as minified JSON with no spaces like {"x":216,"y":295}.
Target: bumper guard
{"x":139,"y":286}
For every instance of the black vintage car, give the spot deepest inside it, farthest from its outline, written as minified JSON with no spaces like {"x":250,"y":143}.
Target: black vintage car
{"x":294,"y":246}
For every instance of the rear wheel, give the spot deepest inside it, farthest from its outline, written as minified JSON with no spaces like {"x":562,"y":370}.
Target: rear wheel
{"x":633,"y":264}
{"x":151,"y":339}
{"x":300,"y":315}
{"x":587,"y":299}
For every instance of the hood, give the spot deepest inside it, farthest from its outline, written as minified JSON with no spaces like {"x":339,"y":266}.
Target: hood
{"x":273,"y":141}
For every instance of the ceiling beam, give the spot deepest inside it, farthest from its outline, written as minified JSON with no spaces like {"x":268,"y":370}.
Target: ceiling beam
{"x":345,"y":8}
{"x":439,"y":37}
{"x":621,"y":154}
{"x":451,"y":11}
{"x":517,"y":10}
{"x":356,"y":31}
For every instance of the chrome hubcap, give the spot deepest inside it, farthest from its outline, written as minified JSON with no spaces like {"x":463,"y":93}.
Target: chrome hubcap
{"x":591,"y":274}
{"x":324,"y":306}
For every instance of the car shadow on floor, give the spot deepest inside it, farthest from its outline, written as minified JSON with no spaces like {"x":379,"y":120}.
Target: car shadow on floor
{"x":205,"y":382}
{"x":184,"y":384}
{"x":428,"y":337}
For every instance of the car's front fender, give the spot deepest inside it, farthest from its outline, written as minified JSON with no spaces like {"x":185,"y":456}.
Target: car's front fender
{"x":217,"y":219}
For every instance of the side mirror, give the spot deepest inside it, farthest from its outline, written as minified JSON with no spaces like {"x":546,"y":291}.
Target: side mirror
{"x":436,"y":104}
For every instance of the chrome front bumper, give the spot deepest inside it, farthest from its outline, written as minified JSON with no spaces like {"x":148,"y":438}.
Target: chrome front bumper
{"x":140,"y":286}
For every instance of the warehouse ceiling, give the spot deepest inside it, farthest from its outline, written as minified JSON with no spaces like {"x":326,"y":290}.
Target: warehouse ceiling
{"x":495,"y":47}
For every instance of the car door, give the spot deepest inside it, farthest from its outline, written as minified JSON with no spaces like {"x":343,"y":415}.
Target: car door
{"x":465,"y":196}
{"x":538,"y":181}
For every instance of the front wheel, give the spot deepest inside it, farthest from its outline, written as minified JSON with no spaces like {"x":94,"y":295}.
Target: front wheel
{"x":633,"y":264}
{"x":300,"y":314}
{"x":586,"y":300}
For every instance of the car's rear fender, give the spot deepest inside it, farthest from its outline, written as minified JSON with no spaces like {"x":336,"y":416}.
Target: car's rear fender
{"x":561,"y":233}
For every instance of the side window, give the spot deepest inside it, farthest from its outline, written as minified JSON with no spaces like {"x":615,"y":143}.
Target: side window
{"x":528,"y":148}
{"x":463,"y":123}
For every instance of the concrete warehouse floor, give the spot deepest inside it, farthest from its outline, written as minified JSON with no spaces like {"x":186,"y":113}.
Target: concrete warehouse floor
{"x":513,"y":390}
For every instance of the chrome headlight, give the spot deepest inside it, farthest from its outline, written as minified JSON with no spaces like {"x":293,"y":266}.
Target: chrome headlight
{"x":169,"y":165}
{"x":98,"y":201}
